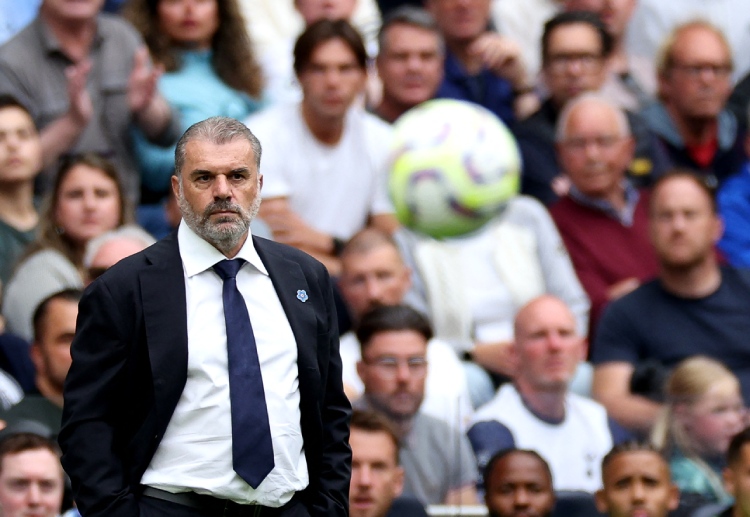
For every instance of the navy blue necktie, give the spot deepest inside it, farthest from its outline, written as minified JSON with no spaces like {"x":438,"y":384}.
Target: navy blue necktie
{"x":252,"y":449}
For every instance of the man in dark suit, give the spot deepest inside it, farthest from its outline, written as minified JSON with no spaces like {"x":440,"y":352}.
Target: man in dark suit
{"x":176,"y":404}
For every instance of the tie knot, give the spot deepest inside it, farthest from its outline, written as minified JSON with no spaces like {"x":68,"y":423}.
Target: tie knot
{"x":228,"y":268}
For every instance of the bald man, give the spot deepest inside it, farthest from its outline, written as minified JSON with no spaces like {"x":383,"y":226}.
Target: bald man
{"x":603,"y":219}
{"x":537,"y":411}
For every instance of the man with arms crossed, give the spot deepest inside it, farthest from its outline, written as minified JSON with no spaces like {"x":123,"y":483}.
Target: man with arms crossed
{"x":175,"y":403}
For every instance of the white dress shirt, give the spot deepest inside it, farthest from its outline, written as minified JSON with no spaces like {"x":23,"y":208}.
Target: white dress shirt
{"x":196,"y":451}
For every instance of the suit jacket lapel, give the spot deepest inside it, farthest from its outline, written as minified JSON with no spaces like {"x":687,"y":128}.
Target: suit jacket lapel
{"x":288,"y":279}
{"x":165,"y":320}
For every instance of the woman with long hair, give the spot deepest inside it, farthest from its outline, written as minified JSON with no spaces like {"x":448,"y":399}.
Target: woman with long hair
{"x":210,"y":70}
{"x":703,"y":410}
{"x":86,"y":200}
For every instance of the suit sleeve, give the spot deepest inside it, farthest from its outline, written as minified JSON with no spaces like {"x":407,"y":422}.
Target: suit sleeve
{"x":332,"y":498}
{"x":94,"y":407}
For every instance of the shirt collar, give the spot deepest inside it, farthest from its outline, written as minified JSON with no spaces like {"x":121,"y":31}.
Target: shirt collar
{"x":624,"y":216}
{"x":198,"y":255}
{"x":50,"y":41}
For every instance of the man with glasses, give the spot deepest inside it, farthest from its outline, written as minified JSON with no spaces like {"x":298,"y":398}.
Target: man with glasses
{"x":691,"y":121}
{"x":603,"y":219}
{"x":575,"y":49}
{"x":438,"y":464}
{"x":538,"y":412}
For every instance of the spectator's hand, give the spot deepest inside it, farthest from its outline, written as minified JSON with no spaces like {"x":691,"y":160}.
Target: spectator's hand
{"x":289,"y":228}
{"x":81,"y":109}
{"x":142,"y":82}
{"x":498,"y":357}
{"x":503,"y":57}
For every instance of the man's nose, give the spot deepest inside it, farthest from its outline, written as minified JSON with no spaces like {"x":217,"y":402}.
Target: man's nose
{"x":33,"y":494}
{"x":364,"y":476}
{"x":637,"y":493}
{"x":374,"y":289}
{"x":221,"y":187}
{"x":521,"y":498}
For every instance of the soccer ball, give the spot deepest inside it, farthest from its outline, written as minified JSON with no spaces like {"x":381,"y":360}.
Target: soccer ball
{"x":453,"y":166}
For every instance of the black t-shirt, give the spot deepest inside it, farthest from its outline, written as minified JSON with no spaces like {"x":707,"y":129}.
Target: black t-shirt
{"x":653,"y":324}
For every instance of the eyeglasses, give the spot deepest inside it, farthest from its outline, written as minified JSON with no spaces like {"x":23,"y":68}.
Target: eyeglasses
{"x":388,"y":366}
{"x":698,"y":70}
{"x":602,"y":142}
{"x":561,"y":62}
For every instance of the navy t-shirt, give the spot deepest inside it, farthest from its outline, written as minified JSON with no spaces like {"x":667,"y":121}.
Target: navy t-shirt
{"x":653,"y":324}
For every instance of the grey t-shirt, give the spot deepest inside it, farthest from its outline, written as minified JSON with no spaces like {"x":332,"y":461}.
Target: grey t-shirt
{"x":436,"y":459}
{"x":13,"y":242}
{"x":32,"y":69}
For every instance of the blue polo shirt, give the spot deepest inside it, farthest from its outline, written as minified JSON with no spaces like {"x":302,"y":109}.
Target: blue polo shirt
{"x":485,"y":89}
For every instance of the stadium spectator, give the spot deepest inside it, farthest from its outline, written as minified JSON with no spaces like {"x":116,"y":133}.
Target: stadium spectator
{"x":537,"y":411}
{"x":275,"y":26}
{"x":333,"y":184}
{"x":603,"y":219}
{"x":32,"y":481}
{"x":54,"y":327}
{"x":410,"y":61}
{"x":690,"y":120}
{"x":373,"y":274}
{"x":481,"y":66}
{"x":631,"y":81}
{"x":20,"y":162}
{"x":694,"y":307}
{"x":653,"y":20}
{"x":575,"y":50}
{"x":438,"y":464}
{"x":377,"y":477}
{"x":86,"y":201}
{"x":636,"y":482}
{"x":210,"y":70}
{"x":109,"y":248}
{"x":518,"y":483}
{"x":703,"y":411}
{"x":86,"y":79}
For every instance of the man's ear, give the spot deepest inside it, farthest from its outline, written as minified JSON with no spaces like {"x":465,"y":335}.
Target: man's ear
{"x":674,"y":497}
{"x":175,"y":186}
{"x":35,"y":352}
{"x":600,"y":499}
{"x":729,"y":482}
{"x":398,"y":483}
{"x":361,"y":370}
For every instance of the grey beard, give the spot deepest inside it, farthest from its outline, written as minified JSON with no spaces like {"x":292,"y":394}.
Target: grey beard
{"x":222,"y":236}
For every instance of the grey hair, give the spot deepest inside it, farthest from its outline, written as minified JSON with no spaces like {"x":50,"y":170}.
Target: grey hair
{"x":217,"y":130}
{"x":412,"y":16}
{"x":130,"y":232}
{"x":594,"y":98}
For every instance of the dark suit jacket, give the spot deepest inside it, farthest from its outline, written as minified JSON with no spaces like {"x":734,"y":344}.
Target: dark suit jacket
{"x":130,"y":367}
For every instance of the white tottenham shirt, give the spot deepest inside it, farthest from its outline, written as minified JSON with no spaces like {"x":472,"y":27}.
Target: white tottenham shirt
{"x":195,"y":454}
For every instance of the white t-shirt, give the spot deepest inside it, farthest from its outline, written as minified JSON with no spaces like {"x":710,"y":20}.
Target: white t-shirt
{"x":333,"y":188}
